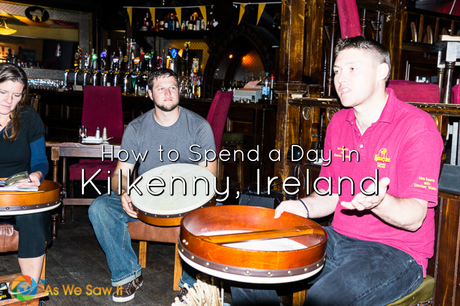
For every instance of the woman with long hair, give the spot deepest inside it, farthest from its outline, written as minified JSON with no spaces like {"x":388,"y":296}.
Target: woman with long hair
{"x":22,"y":148}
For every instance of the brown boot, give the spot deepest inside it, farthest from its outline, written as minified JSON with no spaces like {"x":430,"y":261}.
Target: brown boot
{"x":126,"y":292}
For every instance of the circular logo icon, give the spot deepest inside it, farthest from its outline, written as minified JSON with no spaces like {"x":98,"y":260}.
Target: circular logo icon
{"x":23,"y":287}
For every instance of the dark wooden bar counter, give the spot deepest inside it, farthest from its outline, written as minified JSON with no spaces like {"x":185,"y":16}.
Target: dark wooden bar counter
{"x":61,"y":112}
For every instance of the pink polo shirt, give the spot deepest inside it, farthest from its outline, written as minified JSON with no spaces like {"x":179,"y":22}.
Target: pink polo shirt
{"x":404,"y":145}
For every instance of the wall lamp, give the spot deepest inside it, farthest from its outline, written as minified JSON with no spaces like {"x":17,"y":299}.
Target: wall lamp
{"x":4,"y":29}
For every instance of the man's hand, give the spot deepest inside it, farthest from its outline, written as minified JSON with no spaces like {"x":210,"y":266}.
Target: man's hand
{"x":363,"y":202}
{"x":128,"y":205}
{"x":293,"y":207}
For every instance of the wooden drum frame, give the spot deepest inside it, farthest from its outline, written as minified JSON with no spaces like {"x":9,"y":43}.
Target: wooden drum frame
{"x":167,"y":210}
{"x":46,"y":198}
{"x":245,"y":265}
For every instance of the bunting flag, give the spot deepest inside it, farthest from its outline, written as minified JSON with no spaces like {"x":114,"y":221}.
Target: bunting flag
{"x":179,"y":15}
{"x":242,"y":9}
{"x":260,"y":11}
{"x":130,"y":14}
{"x":152,"y":14}
{"x":203,"y":12}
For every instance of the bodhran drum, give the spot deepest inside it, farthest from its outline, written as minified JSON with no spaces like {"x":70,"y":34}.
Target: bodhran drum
{"x":46,"y":198}
{"x":295,"y":251}
{"x":169,"y":192}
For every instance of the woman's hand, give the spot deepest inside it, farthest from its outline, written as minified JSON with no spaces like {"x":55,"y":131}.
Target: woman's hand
{"x":34,"y":181}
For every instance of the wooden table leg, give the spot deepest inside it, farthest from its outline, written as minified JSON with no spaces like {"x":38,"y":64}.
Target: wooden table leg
{"x":55,"y":217}
{"x":449,"y":79}
{"x":64,"y":187}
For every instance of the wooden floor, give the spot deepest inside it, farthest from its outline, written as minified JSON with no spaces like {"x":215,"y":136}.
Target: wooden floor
{"x":76,"y":261}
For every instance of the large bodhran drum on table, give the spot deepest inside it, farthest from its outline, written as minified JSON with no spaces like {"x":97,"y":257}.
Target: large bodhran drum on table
{"x":46,"y":198}
{"x":192,"y":187}
{"x":296,"y":250}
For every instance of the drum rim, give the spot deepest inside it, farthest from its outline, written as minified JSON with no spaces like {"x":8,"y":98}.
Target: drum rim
{"x":263,"y":278}
{"x":47,"y":198}
{"x":225,"y":255}
{"x":259,"y":274}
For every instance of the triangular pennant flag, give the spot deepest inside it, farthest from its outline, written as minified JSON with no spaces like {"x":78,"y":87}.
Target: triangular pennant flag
{"x":203,"y":12}
{"x":152,"y":15}
{"x":179,"y":15}
{"x":260,"y":11}
{"x":130,"y":14}
{"x":242,"y":9}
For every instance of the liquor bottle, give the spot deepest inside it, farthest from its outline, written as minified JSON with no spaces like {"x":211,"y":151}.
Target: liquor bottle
{"x":266,"y":87}
{"x":171,"y":23}
{"x":190,"y":24}
{"x":161,"y":25}
{"x":198,"y":24}
{"x":198,"y":88}
{"x":203,"y":24}
{"x":145,"y":25}
{"x":222,"y":87}
{"x":166,"y":23}
{"x":195,"y":65}
{"x":272,"y":81}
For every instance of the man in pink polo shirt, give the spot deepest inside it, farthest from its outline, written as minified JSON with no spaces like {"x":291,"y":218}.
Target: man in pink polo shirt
{"x":381,"y":236}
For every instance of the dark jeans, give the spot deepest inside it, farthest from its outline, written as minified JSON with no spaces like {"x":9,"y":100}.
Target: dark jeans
{"x":356,"y":272}
{"x":34,"y":232}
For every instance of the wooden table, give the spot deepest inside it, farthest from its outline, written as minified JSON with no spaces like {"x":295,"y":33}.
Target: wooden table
{"x":76,"y":149}
{"x":35,"y":301}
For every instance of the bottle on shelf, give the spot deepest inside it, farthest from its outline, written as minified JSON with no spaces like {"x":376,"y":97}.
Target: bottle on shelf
{"x":272,"y":81}
{"x":145,"y":25}
{"x":171,"y":22}
{"x":191,"y":23}
{"x":202,"y":24}
{"x":198,"y":24}
{"x":198,"y":88}
{"x":266,"y":87}
{"x":166,"y":23}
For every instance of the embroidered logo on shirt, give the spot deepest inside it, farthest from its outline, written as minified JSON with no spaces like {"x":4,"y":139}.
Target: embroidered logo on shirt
{"x":381,"y":158}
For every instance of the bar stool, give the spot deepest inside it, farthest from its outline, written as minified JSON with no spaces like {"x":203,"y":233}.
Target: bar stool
{"x":421,"y":296}
{"x":232,"y":141}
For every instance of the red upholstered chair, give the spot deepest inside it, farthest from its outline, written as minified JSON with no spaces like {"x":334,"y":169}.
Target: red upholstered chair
{"x":410,"y":91}
{"x":217,"y":116}
{"x":348,"y":18}
{"x":102,"y":107}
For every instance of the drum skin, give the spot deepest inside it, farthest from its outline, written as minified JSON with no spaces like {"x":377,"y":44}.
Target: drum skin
{"x":164,"y":209}
{"x":250,"y":265}
{"x":19,"y":202}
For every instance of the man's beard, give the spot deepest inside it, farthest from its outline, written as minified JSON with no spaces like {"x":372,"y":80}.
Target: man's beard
{"x":165,"y":109}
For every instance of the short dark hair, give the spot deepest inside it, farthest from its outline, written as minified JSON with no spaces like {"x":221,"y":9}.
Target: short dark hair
{"x":362,"y":43}
{"x":161,"y":73}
